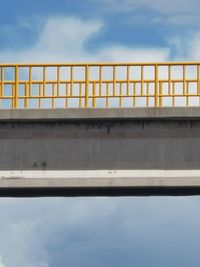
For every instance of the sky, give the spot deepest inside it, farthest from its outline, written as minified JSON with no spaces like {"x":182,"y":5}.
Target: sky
{"x":134,"y":231}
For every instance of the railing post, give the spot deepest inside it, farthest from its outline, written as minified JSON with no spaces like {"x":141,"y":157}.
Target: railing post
{"x":86,"y":85}
{"x":2,"y":84}
{"x":198,"y":80}
{"x":15,"y":100}
{"x":156,"y":86}
{"x":30,"y":82}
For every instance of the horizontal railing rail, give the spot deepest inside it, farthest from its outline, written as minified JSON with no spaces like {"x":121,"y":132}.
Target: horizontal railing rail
{"x":99,"y":85}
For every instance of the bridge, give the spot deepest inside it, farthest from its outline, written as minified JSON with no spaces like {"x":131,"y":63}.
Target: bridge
{"x":109,"y":129}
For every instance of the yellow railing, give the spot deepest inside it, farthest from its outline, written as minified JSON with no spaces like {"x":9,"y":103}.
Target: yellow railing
{"x":99,"y":85}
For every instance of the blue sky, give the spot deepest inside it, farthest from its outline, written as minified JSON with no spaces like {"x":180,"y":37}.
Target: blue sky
{"x":138,"y":22}
{"x":169,"y":27}
{"x":95,"y":232}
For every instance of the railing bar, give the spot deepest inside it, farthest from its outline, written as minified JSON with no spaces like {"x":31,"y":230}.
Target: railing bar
{"x":53,"y":93}
{"x":2,"y":84}
{"x":40,"y":95}
{"x":13,"y":96}
{"x":134,"y":97}
{"x":66,"y":101}
{"x":198,"y":82}
{"x":30,"y":81}
{"x":187,"y":92}
{"x":86,"y":85}
{"x":94,"y":95}
{"x":107,"y":99}
{"x":169,"y":80}
{"x":160,"y":95}
{"x":44,"y":81}
{"x":71,"y":80}
{"x":97,"y":81}
{"x":100,"y":80}
{"x":183,"y":79}
{"x":95,"y":64}
{"x":26,"y":94}
{"x":120,"y":98}
{"x":16,"y":86}
{"x":147,"y":98}
{"x":114,"y":80}
{"x":104,"y":96}
{"x":142,"y":79}
{"x":79,"y":96}
{"x":156,"y":86}
{"x":58,"y":80}
{"x":128,"y":82}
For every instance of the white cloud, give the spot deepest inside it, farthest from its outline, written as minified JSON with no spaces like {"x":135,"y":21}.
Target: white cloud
{"x":186,"y":48}
{"x":1,"y":262}
{"x":66,"y":37}
{"x":181,"y":19}
{"x":182,"y":13}
{"x":163,"y":6}
{"x":60,"y":39}
{"x":64,"y":40}
{"x":138,"y":54}
{"x":81,"y":231}
{"x":192,"y":43}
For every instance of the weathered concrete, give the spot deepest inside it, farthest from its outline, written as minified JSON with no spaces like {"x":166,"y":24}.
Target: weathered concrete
{"x":99,"y":183}
{"x":137,"y":151}
{"x":100,"y":113}
{"x":102,"y":187}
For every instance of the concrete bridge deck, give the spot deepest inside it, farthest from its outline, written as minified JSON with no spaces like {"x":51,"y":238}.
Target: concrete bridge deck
{"x":180,"y":113}
{"x":100,"y":152}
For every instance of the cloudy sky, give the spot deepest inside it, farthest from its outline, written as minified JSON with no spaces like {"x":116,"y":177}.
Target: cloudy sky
{"x":99,"y":232}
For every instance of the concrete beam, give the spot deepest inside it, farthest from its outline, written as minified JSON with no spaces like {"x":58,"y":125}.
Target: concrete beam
{"x":100,"y":152}
{"x":99,"y":183}
{"x":180,"y":113}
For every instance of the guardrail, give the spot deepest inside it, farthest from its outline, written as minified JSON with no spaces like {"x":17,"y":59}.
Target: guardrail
{"x":99,"y":85}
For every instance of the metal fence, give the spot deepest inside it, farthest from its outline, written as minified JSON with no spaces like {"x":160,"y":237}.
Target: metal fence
{"x":99,"y":85}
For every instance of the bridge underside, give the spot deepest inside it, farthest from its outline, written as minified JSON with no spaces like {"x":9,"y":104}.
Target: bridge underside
{"x":113,"y":152}
{"x":99,"y":192}
{"x":97,"y":187}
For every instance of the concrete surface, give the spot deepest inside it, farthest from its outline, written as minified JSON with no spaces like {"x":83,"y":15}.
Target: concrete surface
{"x":100,"y":152}
{"x":105,"y":184}
{"x":100,"y":113}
